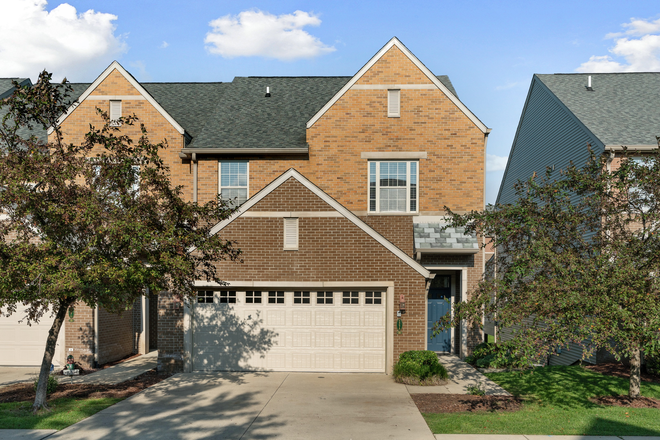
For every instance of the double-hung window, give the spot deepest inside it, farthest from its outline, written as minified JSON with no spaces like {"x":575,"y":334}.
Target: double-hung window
{"x":233,"y":181}
{"x":393,"y":186}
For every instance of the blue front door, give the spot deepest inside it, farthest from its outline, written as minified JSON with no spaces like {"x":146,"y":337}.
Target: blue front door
{"x":438,"y":306}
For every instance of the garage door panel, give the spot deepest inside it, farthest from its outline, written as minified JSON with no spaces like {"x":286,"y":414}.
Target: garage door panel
{"x":24,"y":345}
{"x":294,"y":336}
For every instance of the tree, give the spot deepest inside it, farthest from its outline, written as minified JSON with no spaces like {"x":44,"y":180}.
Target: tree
{"x":578,"y":256}
{"x":95,"y":223}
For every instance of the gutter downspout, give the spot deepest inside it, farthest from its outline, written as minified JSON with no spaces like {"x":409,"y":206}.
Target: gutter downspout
{"x":96,"y":336}
{"x":194,"y":162}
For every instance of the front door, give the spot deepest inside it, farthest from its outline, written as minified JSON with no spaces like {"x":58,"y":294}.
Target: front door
{"x":438,"y":306}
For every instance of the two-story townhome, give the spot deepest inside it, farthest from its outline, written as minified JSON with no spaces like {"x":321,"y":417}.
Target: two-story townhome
{"x":342,"y":184}
{"x":565,"y":113}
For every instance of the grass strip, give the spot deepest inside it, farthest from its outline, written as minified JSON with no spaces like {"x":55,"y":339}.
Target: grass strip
{"x":63,"y":412}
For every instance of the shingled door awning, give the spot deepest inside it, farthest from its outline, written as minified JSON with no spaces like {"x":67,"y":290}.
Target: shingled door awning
{"x":437,"y":238}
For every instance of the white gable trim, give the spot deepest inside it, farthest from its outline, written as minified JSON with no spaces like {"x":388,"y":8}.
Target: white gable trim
{"x":143,"y":95}
{"x":395,"y":42}
{"x":291,"y":173}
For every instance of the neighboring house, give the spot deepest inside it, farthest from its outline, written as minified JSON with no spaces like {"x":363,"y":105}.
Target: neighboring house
{"x":91,"y":336}
{"x":563,"y":114}
{"x":342,"y":183}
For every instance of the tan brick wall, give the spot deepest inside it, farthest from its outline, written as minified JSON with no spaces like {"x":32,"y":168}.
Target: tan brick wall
{"x":116,"y":336}
{"x":170,"y":333}
{"x":79,"y":335}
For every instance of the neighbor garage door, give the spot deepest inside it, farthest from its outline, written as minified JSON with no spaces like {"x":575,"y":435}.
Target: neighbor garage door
{"x":290,"y":331}
{"x":23,"y":345}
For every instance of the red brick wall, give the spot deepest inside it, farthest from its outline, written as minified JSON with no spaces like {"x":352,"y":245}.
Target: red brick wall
{"x":79,"y":335}
{"x":116,"y":336}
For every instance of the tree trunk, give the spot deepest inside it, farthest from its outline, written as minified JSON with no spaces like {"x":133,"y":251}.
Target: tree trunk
{"x":635,"y":373}
{"x":51,"y":342}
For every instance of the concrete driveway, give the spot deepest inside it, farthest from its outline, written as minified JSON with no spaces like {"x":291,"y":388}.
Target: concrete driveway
{"x":260,"y":406}
{"x":12,"y":375}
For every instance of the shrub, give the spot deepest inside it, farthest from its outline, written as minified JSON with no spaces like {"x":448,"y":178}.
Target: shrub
{"x":653,"y":365}
{"x":419,"y":367}
{"x":50,"y":387}
{"x":476,"y":390}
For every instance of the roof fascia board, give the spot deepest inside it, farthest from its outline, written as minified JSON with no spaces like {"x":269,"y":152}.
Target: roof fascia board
{"x":116,"y":66}
{"x":395,"y":42}
{"x":188,"y":151}
{"x":330,"y":201}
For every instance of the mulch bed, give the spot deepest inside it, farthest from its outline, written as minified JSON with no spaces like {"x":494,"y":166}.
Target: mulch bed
{"x":452,"y":403}
{"x":628,"y":402}
{"x":620,"y":370}
{"x":25,"y":391}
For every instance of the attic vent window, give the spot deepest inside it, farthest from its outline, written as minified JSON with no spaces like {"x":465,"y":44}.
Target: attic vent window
{"x":115,"y":113}
{"x":291,"y":234}
{"x":393,"y":103}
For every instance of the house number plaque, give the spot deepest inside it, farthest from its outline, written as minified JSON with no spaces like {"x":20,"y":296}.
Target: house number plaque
{"x":399,"y":326}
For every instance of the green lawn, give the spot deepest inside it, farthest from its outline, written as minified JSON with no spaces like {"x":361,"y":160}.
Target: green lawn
{"x":64,"y":412}
{"x":557,"y":403}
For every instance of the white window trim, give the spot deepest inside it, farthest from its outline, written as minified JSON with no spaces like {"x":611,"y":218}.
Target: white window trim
{"x":290,"y":227}
{"x":247,"y":187}
{"x":393,"y":95}
{"x":378,"y":211}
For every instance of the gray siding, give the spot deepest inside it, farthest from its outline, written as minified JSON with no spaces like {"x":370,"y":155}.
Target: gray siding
{"x":571,"y":354}
{"x":548,"y":135}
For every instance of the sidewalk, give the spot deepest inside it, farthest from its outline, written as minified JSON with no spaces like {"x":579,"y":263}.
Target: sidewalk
{"x":461,"y":376}
{"x":539,"y":437}
{"x":117,"y":373}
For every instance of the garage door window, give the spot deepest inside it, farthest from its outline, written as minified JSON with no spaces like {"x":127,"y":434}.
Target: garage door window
{"x":275,"y":297}
{"x":373,"y":297}
{"x":351,"y":298}
{"x":253,"y":297}
{"x":324,"y":297}
{"x":205,"y":297}
{"x":228,"y":297}
{"x":301,"y":298}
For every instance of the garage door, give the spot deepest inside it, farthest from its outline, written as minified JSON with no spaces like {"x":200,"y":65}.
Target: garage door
{"x":23,"y":345}
{"x":289,"y":331}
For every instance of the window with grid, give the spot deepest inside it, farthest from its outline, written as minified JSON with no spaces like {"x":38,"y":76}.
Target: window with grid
{"x":275,"y":297}
{"x":351,"y":298}
{"x":373,"y":297}
{"x":392,"y":186}
{"x":253,"y":297}
{"x":227,"y":297}
{"x":301,"y":298}
{"x":324,"y":297}
{"x":205,"y":297}
{"x":233,"y":181}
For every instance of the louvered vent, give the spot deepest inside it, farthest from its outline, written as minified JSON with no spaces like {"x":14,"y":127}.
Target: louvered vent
{"x":394,"y":103}
{"x":115,"y":113}
{"x":290,"y":233}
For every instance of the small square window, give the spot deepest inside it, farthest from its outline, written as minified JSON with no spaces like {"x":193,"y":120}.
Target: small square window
{"x":253,"y":297}
{"x":227,"y":297}
{"x":351,"y":298}
{"x":205,"y":297}
{"x":275,"y":297}
{"x":301,"y":297}
{"x":373,"y":297}
{"x":324,"y":297}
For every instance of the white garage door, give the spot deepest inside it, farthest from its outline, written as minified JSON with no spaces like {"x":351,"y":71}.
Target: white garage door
{"x":290,"y":331}
{"x":23,"y":345}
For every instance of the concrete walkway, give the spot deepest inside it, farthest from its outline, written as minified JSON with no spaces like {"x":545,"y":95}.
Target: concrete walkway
{"x":26,"y":434}
{"x":117,"y":373}
{"x":539,"y":437}
{"x":461,"y":376}
{"x":14,"y":375}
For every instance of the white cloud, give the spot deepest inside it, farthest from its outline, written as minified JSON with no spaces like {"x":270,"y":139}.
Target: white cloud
{"x":495,"y":163}
{"x":62,"y":41}
{"x":258,"y":33}
{"x":164,"y":45}
{"x":640,"y":54}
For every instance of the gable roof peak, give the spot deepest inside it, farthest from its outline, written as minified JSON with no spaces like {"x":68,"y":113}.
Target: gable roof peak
{"x":394,"y":41}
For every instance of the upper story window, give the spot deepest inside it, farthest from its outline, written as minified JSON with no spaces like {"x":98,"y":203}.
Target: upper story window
{"x":393,"y":103}
{"x":115,"y":113}
{"x":233,"y":181}
{"x":392,"y":186}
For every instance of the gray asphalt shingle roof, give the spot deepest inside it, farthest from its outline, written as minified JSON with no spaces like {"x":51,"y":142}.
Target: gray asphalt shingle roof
{"x":438,"y":236}
{"x":622,"y":109}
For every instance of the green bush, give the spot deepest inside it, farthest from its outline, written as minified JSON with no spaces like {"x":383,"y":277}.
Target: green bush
{"x":50,"y":387}
{"x":419,"y":367}
{"x":653,"y":365}
{"x":489,"y":355}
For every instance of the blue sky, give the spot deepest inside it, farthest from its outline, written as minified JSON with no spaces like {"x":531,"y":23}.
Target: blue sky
{"x":489,"y":49}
